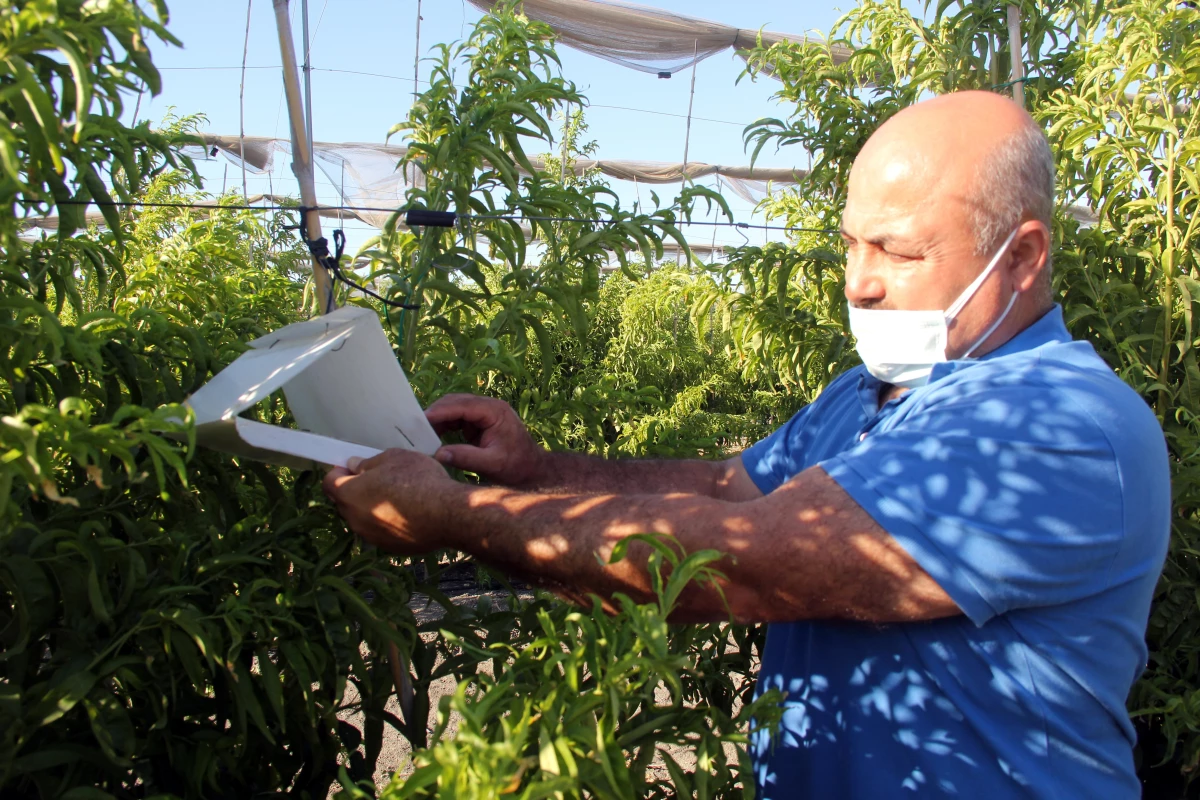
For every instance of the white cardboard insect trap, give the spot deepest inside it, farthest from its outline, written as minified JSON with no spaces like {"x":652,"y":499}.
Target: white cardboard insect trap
{"x":342,"y":383}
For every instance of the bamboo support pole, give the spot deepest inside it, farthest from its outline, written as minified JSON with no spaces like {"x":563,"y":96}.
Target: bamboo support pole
{"x":1015,"y":48}
{"x":302,"y":165}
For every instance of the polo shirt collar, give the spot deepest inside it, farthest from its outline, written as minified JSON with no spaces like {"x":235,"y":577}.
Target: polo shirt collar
{"x":1048,"y":329}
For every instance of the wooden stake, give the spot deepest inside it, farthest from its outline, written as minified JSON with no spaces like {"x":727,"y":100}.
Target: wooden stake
{"x":302,"y":165}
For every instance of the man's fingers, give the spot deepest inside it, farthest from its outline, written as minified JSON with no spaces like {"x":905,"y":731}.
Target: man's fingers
{"x":470,"y":458}
{"x":453,"y":410}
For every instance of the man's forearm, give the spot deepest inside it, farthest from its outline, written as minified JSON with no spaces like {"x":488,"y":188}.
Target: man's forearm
{"x":807,"y":551}
{"x":562,"y":541}
{"x":577,"y":473}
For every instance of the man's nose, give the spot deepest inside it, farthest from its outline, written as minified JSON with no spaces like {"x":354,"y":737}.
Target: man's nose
{"x":864,"y":284}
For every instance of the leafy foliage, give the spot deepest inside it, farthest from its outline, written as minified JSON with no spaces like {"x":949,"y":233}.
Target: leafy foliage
{"x":157,"y":607}
{"x":174,"y":622}
{"x":64,"y":66}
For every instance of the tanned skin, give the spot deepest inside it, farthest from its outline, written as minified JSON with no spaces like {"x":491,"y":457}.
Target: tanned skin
{"x":805,"y":551}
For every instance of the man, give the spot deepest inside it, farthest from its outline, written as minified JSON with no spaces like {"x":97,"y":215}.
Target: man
{"x":956,"y":544}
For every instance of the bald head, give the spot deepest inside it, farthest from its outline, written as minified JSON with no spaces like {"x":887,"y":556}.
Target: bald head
{"x":976,"y":149}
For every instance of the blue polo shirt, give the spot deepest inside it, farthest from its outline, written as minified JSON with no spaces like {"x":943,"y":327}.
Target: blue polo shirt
{"x":1032,"y":485}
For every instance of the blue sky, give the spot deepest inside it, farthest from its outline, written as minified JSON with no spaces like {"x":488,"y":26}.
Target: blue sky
{"x":351,"y":37}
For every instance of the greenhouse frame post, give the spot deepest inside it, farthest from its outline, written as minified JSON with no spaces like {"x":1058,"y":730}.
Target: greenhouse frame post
{"x":302,"y":164}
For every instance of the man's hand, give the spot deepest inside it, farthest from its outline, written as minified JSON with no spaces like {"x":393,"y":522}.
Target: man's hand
{"x":499,"y":448}
{"x":399,"y":501}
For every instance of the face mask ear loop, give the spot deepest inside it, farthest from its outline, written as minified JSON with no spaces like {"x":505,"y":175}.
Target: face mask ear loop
{"x":970,"y":291}
{"x":1011,"y":302}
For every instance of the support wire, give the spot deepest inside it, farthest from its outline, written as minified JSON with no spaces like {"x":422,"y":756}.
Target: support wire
{"x":308,"y":118}
{"x":242,"y":102}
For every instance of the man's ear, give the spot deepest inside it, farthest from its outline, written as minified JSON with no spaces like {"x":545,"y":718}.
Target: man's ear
{"x":1031,"y":254}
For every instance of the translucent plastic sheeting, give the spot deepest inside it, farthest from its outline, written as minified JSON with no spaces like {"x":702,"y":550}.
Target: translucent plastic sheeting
{"x":646,"y":39}
{"x":366,"y":175}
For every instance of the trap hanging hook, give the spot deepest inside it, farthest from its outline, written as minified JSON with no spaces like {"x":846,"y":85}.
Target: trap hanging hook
{"x":332,"y":262}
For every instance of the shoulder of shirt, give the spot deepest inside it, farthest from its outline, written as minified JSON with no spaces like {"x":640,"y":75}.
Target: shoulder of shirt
{"x":1071,"y":371}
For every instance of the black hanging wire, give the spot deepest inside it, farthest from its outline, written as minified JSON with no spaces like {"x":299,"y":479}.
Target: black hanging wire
{"x":332,"y":262}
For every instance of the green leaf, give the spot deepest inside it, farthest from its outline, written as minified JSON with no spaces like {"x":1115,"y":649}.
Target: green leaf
{"x":113,"y":729}
{"x":100,"y":193}
{"x":59,"y":699}
{"x":96,"y":595}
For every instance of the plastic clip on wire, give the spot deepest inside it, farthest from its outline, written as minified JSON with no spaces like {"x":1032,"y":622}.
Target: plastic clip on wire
{"x":332,"y":261}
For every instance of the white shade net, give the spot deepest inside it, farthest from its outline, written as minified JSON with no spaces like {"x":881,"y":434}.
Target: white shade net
{"x":647,"y":39}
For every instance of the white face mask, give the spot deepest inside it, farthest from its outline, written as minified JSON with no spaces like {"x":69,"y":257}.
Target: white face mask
{"x":901,"y":347}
